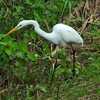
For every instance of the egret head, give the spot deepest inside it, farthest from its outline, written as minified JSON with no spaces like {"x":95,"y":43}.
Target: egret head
{"x":22,"y":24}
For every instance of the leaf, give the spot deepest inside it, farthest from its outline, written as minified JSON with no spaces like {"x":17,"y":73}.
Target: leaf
{"x":28,"y":2}
{"x":3,"y":43}
{"x":60,"y":71}
{"x":8,"y":51}
{"x":32,"y":57}
{"x":41,"y":87}
{"x":20,"y":55}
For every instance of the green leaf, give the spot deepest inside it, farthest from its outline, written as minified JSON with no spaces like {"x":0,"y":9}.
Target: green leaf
{"x":32,"y":57}
{"x":41,"y":87}
{"x":60,"y":71}
{"x":8,"y":51}
{"x":3,"y":43}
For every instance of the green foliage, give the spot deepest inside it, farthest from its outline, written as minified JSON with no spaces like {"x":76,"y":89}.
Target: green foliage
{"x":26,"y":68}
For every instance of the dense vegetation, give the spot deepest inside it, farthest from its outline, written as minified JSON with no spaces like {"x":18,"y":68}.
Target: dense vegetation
{"x":26,"y":70}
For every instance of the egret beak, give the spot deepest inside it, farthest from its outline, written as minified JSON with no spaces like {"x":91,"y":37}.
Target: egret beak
{"x":11,"y":31}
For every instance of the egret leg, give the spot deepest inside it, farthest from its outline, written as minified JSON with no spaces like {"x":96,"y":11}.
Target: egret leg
{"x":55,"y":51}
{"x":54,"y":55}
{"x":54,"y":65}
{"x":73,"y":60}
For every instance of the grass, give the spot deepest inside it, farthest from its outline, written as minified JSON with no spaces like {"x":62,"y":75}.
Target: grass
{"x":86,"y":86}
{"x":25,"y":75}
{"x":33,"y":81}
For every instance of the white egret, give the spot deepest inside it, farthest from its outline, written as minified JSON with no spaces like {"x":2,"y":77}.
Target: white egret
{"x":61,"y":34}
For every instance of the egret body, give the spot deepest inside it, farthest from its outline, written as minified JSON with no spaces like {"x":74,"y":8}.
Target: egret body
{"x":61,"y":34}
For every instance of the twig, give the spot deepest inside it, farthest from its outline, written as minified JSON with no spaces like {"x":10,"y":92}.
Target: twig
{"x":4,"y":90}
{"x":54,"y":65}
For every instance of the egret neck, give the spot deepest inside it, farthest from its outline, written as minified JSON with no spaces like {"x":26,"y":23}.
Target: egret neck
{"x":48,"y":36}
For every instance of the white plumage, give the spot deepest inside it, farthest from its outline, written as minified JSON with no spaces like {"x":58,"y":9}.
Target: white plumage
{"x":61,"y":34}
{"x":67,"y":34}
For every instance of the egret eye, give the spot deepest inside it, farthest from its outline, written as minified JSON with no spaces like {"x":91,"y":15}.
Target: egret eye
{"x":20,"y":25}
